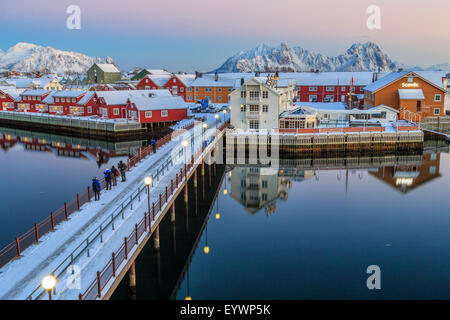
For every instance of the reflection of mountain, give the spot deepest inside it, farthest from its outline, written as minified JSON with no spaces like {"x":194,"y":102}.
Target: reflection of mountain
{"x":256,"y":188}
{"x":407,"y":177}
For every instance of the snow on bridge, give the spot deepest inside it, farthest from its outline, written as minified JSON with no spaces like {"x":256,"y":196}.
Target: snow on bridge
{"x":78,"y":248}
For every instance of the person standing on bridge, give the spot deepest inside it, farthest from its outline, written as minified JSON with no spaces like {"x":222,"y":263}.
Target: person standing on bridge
{"x":108,"y":178}
{"x":153,"y":143}
{"x":123,"y":168}
{"x":115,"y":174}
{"x":96,"y":186}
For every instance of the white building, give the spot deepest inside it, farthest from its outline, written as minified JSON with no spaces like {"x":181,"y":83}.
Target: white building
{"x":257,"y":105}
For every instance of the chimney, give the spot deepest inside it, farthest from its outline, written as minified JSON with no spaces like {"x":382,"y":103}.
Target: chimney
{"x":216,"y":76}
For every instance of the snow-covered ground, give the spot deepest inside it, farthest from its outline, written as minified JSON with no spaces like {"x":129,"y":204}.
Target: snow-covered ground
{"x":21,"y":277}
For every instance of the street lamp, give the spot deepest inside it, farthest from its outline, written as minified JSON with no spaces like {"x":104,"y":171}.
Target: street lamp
{"x":49,"y":283}
{"x":217,"y":209}
{"x":184,"y":143}
{"x":224,"y":113}
{"x":217,"y":119}
{"x":148,"y":181}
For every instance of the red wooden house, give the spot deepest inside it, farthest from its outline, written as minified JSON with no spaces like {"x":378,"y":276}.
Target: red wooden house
{"x":150,"y":82}
{"x":156,"y":110}
{"x":32,"y":101}
{"x":73,"y":103}
{"x":7,"y":99}
{"x":179,"y":84}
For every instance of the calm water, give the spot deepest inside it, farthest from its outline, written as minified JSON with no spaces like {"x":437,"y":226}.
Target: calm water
{"x":293,"y":233}
{"x":308,"y":234}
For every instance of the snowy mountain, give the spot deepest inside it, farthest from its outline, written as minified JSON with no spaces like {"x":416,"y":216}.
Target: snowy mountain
{"x":359,"y":57}
{"x":27,"y":57}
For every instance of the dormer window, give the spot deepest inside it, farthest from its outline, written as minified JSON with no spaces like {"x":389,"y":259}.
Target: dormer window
{"x":410,"y":79}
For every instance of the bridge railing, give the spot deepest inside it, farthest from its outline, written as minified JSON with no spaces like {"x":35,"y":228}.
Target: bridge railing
{"x":32,"y":236}
{"x":121,"y":255}
{"x":108,"y":224}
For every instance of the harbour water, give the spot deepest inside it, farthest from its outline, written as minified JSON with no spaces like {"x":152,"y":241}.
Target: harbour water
{"x":298,"y":232}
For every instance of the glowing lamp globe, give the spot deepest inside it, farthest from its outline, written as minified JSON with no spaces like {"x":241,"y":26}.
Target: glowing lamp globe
{"x":188,"y":298}
{"x":225,"y":191}
{"x":49,"y":282}
{"x":206,"y":249}
{"x":148,"y":181}
{"x":205,"y":125}
{"x":217,"y":216}
{"x":184,"y":143}
{"x":216,"y":116}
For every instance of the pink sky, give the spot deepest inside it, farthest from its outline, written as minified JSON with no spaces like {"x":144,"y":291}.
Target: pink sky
{"x":413,"y":31}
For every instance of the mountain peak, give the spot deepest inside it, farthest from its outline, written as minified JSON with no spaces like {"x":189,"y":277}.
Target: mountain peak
{"x":359,"y":57}
{"x":29,"y":57}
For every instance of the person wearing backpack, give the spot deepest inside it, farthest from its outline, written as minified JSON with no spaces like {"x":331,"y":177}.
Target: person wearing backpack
{"x":96,"y":186}
{"x":108,"y":179}
{"x":115,"y":174}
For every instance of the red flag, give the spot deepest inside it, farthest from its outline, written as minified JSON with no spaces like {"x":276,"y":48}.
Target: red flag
{"x":352,"y":81}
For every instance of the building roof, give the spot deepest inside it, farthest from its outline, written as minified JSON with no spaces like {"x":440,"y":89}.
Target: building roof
{"x":68,"y":93}
{"x":158,"y":103}
{"x":108,"y":67}
{"x":382,"y":106}
{"x":208,"y":80}
{"x":411,"y":94}
{"x":49,"y":99}
{"x":384,"y":81}
{"x":323,"y":106}
{"x":158,"y":72}
{"x":37,"y":92}
{"x":120,"y":97}
{"x":86,"y":98}
{"x":187,"y":79}
{"x":13,"y":93}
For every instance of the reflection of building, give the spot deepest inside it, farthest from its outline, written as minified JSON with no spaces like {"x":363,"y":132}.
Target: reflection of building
{"x":256,"y":188}
{"x":405,"y":178}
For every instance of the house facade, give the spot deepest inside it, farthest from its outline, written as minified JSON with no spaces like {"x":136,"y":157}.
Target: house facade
{"x":102,"y":73}
{"x":256,"y":105}
{"x":413,"y":95}
{"x":32,"y":101}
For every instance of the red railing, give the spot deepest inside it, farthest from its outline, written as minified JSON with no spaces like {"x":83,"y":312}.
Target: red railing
{"x":94,"y":291}
{"x":32,"y":236}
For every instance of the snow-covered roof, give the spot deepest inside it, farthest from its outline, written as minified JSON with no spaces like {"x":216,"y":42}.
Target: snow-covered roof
{"x":323,"y":106}
{"x":187,"y":79}
{"x":385,"y":107}
{"x":108,"y":67}
{"x":13,"y":93}
{"x":37,"y":92}
{"x":411,"y":94}
{"x":120,"y":97}
{"x":208,"y":80}
{"x":86,"y":98}
{"x":158,"y":103}
{"x":384,"y":81}
{"x":160,"y":80}
{"x":68,"y":93}
{"x":49,"y":99}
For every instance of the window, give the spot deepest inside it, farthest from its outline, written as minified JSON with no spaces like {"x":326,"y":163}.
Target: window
{"x":264,"y":184}
{"x":254,"y":108}
{"x":264,"y":196}
{"x":219,"y":98}
{"x":208,"y":89}
{"x":265,"y":108}
{"x":189,"y":98}
{"x":265,"y":94}
{"x":253,"y":124}
{"x":116,"y":111}
{"x":312,"y":88}
{"x":189,"y":89}
{"x":352,"y":89}
{"x":343,"y":89}
{"x":410,"y":79}
{"x":148,"y":114}
{"x":174,"y":80}
{"x":437,"y":98}
{"x":330,"y":89}
{"x":312,"y":98}
{"x":254,"y":95}
{"x":163,"y":113}
{"x":89,"y":109}
{"x":219,"y":89}
{"x":196,"y":89}
{"x":436,"y":111}
{"x":243,"y":94}
{"x":243,"y":108}
{"x":181,"y":89}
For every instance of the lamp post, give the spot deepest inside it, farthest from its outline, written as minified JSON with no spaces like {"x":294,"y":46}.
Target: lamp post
{"x":217,"y":209}
{"x":49,"y":283}
{"x":217,"y":119}
{"x":224,"y":113}
{"x":206,"y":248}
{"x":184,"y":143}
{"x":148,"y":181}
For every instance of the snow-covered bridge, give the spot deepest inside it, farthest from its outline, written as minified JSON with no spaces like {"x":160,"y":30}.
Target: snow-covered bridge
{"x":109,"y":232}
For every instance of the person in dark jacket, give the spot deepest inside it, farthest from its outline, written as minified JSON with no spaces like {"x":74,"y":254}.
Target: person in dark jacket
{"x":108,"y":178}
{"x":123,"y":168}
{"x":96,"y":186}
{"x":115,"y":174}
{"x":154,"y":145}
